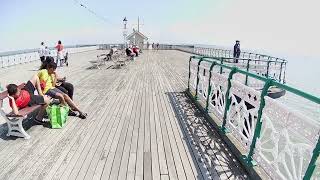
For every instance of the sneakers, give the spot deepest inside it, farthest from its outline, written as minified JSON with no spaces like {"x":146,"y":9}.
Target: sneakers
{"x":39,"y":122}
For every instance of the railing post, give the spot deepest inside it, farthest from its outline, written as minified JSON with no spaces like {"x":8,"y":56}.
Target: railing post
{"x":312,"y":165}
{"x":227,"y":101}
{"x":209,"y":86}
{"x":280,"y":71}
{"x":268,"y":65}
{"x":221,"y":61}
{"x":257,"y":130}
{"x":248,"y":64}
{"x":191,"y":57}
{"x":196,"y":96}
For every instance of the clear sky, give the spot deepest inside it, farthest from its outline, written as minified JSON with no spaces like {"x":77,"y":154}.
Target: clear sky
{"x":279,"y":26}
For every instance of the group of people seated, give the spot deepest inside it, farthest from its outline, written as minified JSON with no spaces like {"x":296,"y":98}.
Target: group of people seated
{"x":49,"y":86}
{"x":132,"y":51}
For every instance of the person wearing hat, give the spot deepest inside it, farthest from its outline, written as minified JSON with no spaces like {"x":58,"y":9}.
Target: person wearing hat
{"x":236,"y":51}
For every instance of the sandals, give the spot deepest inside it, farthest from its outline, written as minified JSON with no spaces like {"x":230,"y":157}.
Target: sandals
{"x":83,"y":115}
{"x":72,"y":113}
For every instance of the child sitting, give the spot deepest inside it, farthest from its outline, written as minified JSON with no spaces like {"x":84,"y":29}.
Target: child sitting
{"x":19,"y":99}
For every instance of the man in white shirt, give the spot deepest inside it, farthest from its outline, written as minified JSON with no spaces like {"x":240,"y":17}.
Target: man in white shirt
{"x":41,"y":52}
{"x":46,"y":52}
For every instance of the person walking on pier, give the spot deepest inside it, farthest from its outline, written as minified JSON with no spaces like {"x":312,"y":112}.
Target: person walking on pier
{"x":236,"y":51}
{"x":41,"y":52}
{"x":60,"y":55}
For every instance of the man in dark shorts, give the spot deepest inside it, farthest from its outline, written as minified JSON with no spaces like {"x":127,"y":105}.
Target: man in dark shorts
{"x":21,"y":98}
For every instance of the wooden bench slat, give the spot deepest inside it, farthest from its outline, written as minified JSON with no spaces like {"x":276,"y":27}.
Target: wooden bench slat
{"x":25,"y":111}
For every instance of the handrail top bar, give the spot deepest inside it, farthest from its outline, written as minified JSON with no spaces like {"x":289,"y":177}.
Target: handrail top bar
{"x":298,"y":92}
{"x":263,"y":60}
{"x":244,"y":52}
{"x":251,"y":59}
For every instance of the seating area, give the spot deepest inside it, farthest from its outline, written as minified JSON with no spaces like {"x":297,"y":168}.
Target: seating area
{"x":140,"y":125}
{"x":119,"y":58}
{"x":14,"y":122}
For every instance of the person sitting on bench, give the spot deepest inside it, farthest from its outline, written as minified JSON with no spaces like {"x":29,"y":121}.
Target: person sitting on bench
{"x":48,"y":82}
{"x":19,"y":99}
{"x":129,"y":53}
{"x":109,"y":55}
{"x":135,"y":50}
{"x":61,"y":84}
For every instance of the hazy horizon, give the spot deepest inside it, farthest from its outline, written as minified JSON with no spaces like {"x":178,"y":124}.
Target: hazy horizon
{"x":284,"y":27}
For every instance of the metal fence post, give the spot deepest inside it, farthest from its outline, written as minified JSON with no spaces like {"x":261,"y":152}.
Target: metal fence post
{"x":312,"y":165}
{"x":248,"y":64}
{"x":257,"y":130}
{"x":209,"y":85}
{"x":221,"y":61}
{"x":196,"y":96}
{"x":227,"y":100}
{"x":191,"y":57}
{"x":268,"y":65}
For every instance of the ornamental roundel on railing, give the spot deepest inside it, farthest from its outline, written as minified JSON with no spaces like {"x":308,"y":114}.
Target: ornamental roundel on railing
{"x":219,"y":86}
{"x":243,"y":112}
{"x":287,"y":140}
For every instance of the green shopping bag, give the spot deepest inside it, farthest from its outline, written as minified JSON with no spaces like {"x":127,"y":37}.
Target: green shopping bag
{"x":58,"y":115}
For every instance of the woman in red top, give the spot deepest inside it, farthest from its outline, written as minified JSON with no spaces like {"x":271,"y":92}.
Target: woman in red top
{"x":135,"y":49}
{"x":60,"y":56}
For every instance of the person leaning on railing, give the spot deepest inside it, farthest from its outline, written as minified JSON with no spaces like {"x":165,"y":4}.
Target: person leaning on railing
{"x":41,"y":52}
{"x":236,"y":51}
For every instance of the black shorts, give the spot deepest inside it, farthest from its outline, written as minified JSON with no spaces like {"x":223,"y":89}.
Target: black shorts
{"x":34,"y":99}
{"x":53,"y":92}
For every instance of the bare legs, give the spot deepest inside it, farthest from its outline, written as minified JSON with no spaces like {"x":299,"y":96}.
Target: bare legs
{"x":36,"y":83}
{"x":65,"y":99}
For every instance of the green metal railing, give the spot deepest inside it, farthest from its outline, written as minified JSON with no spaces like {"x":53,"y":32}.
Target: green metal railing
{"x":264,"y":65}
{"x":268,"y":82}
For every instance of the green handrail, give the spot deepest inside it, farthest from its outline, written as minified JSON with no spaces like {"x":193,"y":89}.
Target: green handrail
{"x":258,"y":127}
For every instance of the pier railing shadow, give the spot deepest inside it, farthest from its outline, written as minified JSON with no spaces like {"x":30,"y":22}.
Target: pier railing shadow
{"x":210,"y":154}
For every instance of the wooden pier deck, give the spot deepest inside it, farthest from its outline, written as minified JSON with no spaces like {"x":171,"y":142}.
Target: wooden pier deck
{"x":140,"y":126}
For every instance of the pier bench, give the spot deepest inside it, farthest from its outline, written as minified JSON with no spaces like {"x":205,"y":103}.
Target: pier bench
{"x":14,"y":121}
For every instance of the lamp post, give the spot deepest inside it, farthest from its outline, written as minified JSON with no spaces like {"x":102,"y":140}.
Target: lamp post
{"x":125,"y":31}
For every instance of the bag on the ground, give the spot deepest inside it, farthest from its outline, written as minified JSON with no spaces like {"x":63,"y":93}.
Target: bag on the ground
{"x":58,"y":115}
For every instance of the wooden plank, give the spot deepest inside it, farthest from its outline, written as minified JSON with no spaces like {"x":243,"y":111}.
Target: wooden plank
{"x":126,"y":132}
{"x":73,"y":161}
{"x":108,"y":152}
{"x":78,"y":172}
{"x":63,"y":159}
{"x":53,"y":152}
{"x":134,"y":142}
{"x":153,"y":134}
{"x":147,"y":165}
{"x":47,"y":148}
{"x":158,"y":118}
{"x":167,"y":147}
{"x":140,"y":148}
{"x":90,"y":171}
{"x":27,"y":153}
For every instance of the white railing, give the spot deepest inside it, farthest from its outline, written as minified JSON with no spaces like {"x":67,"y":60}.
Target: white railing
{"x":283,"y":142}
{"x":22,"y":58}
